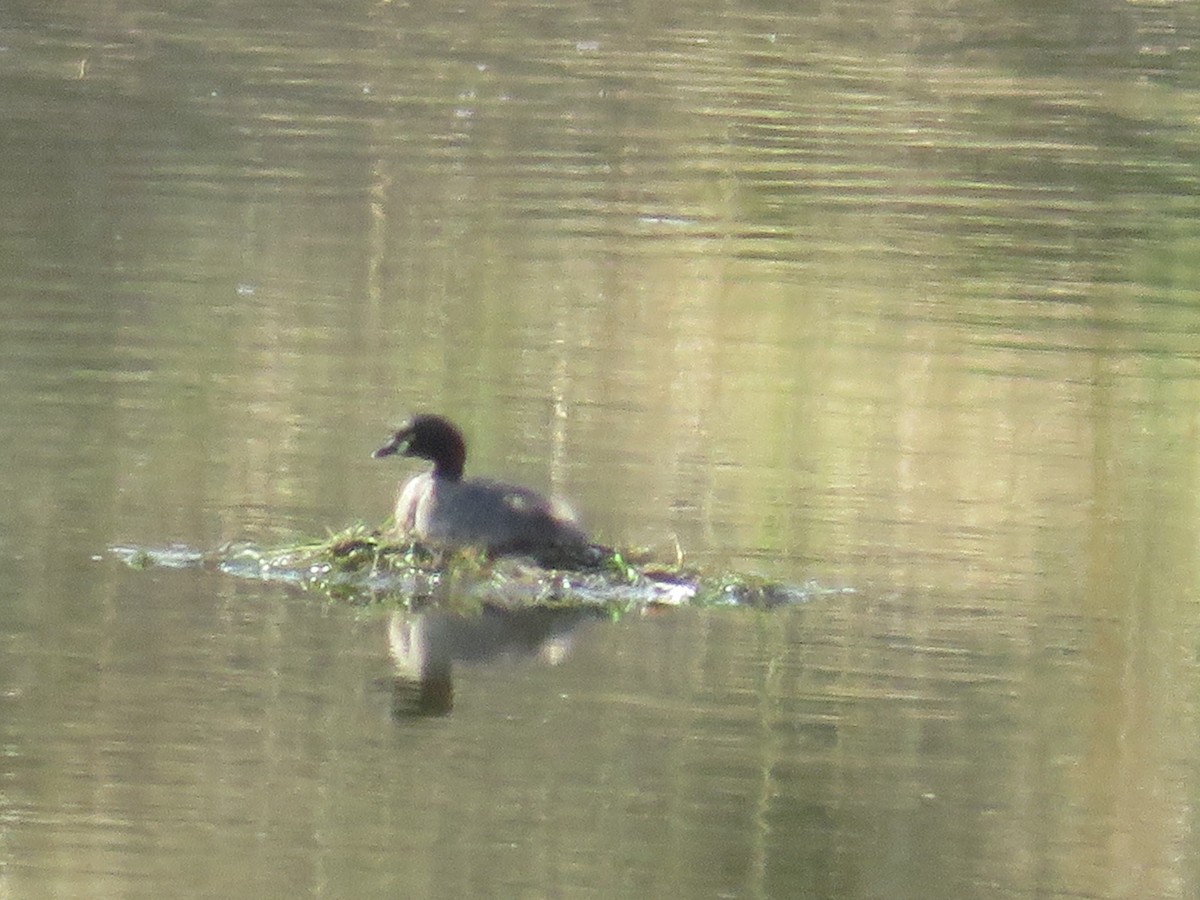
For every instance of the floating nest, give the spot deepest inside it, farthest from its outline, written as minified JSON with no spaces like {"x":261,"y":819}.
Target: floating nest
{"x":361,"y":565}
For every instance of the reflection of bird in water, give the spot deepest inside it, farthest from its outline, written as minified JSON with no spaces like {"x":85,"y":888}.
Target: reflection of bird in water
{"x":424,"y":644}
{"x":422,"y":686}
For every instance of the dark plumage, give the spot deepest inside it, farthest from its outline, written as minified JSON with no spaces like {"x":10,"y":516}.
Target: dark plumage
{"x":443,"y":508}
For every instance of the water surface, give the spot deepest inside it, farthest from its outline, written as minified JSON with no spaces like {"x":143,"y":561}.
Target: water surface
{"x":899,"y":299}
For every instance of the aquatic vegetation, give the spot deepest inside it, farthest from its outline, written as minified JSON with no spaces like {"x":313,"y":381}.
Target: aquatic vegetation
{"x":363,"y":565}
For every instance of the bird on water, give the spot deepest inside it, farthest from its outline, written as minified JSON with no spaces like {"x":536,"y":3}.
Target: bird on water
{"x":443,"y":508}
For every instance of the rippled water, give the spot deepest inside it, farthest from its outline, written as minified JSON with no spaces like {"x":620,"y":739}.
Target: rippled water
{"x":896,"y":302}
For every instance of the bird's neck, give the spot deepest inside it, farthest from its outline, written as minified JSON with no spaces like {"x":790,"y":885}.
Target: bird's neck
{"x":449,"y":468}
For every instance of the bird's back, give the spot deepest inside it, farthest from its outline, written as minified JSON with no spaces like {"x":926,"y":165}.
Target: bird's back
{"x":498,"y":517}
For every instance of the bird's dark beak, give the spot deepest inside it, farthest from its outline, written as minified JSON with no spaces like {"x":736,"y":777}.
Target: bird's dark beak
{"x":398,"y":444}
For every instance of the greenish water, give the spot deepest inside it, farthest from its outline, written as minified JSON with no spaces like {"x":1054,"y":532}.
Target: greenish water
{"x":904,"y":299}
